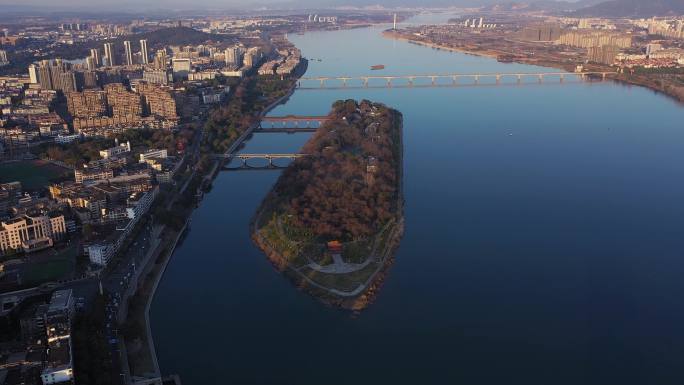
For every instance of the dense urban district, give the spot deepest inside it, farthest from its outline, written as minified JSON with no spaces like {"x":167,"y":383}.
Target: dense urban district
{"x":110,"y":134}
{"x":111,"y":131}
{"x":335,"y":217}
{"x":646,"y":52}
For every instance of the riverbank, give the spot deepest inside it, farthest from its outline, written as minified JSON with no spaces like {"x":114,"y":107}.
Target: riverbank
{"x":349,"y":276}
{"x":664,"y":86}
{"x":143,"y":354}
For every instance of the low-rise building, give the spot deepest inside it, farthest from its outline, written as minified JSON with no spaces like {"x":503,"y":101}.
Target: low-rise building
{"x":30,"y":233}
{"x":92,"y":174}
{"x":119,"y":149}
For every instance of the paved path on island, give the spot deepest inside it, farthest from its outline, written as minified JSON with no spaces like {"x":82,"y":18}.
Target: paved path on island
{"x":339,"y":266}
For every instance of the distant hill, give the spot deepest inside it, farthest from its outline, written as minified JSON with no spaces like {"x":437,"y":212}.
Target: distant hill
{"x":633,"y":8}
{"x":178,"y":36}
{"x":541,"y":6}
{"x":155,"y":39}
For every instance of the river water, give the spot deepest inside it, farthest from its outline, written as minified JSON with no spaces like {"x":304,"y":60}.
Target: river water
{"x":543,"y":242}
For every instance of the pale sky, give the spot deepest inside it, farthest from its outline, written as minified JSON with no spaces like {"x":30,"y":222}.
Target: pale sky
{"x":198,"y":4}
{"x":139,"y":4}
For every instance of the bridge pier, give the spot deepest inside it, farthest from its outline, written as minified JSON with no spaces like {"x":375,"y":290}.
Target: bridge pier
{"x":519,"y":78}
{"x":365,"y":82}
{"x":603,"y":76}
{"x":477,"y":79}
{"x":562,"y":78}
{"x":454,"y":79}
{"x":410,"y":81}
{"x":498,"y":78}
{"x":322,"y":83}
{"x":541,"y":78}
{"x":389,"y":82}
{"x":433,"y":80}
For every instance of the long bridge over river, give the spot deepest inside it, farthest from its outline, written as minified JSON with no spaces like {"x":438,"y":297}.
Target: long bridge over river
{"x":367,"y":81}
{"x":310,"y":123}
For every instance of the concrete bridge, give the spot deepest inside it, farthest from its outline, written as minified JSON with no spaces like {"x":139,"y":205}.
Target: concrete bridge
{"x":297,"y":121}
{"x":288,"y":130}
{"x":269,"y":157}
{"x":440,"y":79}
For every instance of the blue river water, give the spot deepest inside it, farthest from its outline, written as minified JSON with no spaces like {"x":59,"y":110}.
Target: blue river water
{"x":543,"y":241}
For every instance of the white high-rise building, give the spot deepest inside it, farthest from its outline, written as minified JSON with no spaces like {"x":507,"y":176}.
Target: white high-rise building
{"x":33,"y":74}
{"x":90,"y":63}
{"x":129,"y":53}
{"x":109,"y":54}
{"x":95,"y":54}
{"x":143,"y":51}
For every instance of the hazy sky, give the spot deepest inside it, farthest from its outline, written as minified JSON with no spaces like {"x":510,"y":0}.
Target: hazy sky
{"x":141,"y":5}
{"x":190,"y":4}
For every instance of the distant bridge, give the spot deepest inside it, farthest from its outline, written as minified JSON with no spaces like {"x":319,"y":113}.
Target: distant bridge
{"x":269,"y":157}
{"x":439,"y":79}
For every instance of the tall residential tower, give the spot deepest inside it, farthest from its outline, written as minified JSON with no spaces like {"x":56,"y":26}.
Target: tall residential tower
{"x":129,"y":53}
{"x":143,"y":51}
{"x":109,"y":54}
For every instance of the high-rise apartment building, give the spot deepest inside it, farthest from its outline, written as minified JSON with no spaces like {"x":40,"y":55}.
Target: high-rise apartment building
{"x":53,"y":75}
{"x":109,"y":54}
{"x":160,"y":59}
{"x":232,"y":55}
{"x":143,"y":51}
{"x":95,"y":54}
{"x":33,"y":74}
{"x":128,"y":52}
{"x":589,"y":39}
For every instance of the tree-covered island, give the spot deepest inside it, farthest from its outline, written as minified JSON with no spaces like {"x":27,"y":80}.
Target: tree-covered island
{"x":335,"y":217}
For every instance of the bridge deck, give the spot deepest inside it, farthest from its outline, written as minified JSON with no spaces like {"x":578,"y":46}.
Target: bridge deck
{"x":294,"y":118}
{"x":260,"y":156}
{"x":456,"y":75}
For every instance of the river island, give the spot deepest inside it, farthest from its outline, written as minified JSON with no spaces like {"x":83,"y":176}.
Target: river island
{"x":334,"y":218}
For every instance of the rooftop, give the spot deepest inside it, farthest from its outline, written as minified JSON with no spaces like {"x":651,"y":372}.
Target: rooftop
{"x":60,"y":300}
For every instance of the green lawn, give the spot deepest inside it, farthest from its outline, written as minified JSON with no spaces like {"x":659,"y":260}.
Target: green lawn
{"x":33,"y":174}
{"x":58,"y":266}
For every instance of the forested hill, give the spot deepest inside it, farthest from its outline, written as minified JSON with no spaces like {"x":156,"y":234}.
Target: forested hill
{"x":633,"y":8}
{"x":348,"y":187}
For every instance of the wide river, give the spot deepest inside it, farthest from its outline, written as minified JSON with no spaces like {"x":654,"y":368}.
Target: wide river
{"x":544,"y":241}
